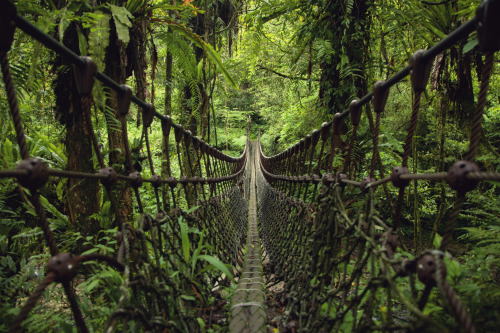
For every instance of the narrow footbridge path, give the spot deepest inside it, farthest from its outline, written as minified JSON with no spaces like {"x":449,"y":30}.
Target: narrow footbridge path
{"x":328,"y":218}
{"x":248,"y":310}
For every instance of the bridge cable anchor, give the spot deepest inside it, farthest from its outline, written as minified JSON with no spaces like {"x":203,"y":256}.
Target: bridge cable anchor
{"x":123,"y":99}
{"x":457,"y":176}
{"x":35,"y":175}
{"x":380,"y":95}
{"x":137,"y":179}
{"x":396,"y":176}
{"x":365,"y":182}
{"x":156,"y":181}
{"x":148,"y":113}
{"x":187,"y":138}
{"x":84,"y":76}
{"x":426,"y":270}
{"x":420,"y":70}
{"x":340,"y":177}
{"x":325,"y":131}
{"x":178,"y":133}
{"x":337,"y":123}
{"x":111,"y":179}
{"x":355,"y":111}
{"x":64,"y":265}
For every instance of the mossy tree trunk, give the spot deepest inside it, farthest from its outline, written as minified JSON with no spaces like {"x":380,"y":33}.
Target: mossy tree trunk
{"x":116,"y":64}
{"x":82,"y":199}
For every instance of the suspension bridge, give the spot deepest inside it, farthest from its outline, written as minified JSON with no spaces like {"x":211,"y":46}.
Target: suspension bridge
{"x":278,"y":220}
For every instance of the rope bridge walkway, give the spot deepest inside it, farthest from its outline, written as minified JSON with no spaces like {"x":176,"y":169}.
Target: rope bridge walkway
{"x":338,"y":267}
{"x":248,"y":313}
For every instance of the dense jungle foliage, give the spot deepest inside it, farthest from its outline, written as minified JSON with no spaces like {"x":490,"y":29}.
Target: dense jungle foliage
{"x":213,"y":66}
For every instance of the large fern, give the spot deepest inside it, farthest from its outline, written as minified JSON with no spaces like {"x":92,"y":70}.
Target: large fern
{"x":484,"y":223}
{"x":181,"y":51}
{"x":185,"y":60}
{"x":212,"y":55}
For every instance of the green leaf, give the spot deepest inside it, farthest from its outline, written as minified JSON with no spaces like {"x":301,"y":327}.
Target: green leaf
{"x":66,"y":18}
{"x":192,"y":209}
{"x":105,"y":248}
{"x":92,"y":250}
{"x":11,"y":263}
{"x":300,"y":51}
{"x":180,"y":8}
{"x":88,"y":288}
{"x":471,"y":43}
{"x":29,"y":233}
{"x":99,"y":38}
{"x":34,"y":64}
{"x":57,"y":153}
{"x":217,"y":264}
{"x":61,"y":186}
{"x":122,"y":22}
{"x":194,"y":230}
{"x":196,"y":253}
{"x":393,"y":142}
{"x":438,"y":33}
{"x":213,"y":56}
{"x":134,"y":5}
{"x":344,"y":60}
{"x":8,"y":156}
{"x":66,"y":327}
{"x":432,"y":309}
{"x":82,"y":42}
{"x":201,"y":323}
{"x":437,"y":241}
{"x":188,"y":298}
{"x":59,"y":220}
{"x":186,"y":244}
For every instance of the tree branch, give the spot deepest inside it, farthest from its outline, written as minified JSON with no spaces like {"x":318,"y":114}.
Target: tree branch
{"x":435,"y":3}
{"x":284,"y":75}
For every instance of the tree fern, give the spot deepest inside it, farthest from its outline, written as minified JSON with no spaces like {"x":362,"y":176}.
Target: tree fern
{"x":209,"y":51}
{"x":483,"y":218}
{"x":185,"y":59}
{"x":20,"y":69}
{"x":182,"y":53}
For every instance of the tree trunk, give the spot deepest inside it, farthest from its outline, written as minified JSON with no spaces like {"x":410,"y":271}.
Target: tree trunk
{"x":116,"y":62}
{"x":336,"y":90}
{"x":165,"y":151}
{"x":83,"y":194}
{"x":138,"y":60}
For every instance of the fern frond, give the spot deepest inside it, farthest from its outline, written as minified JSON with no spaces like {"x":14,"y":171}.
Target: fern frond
{"x":182,"y":53}
{"x":21,"y":75}
{"x":211,"y":54}
{"x":113,"y":123}
{"x":99,"y":39}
